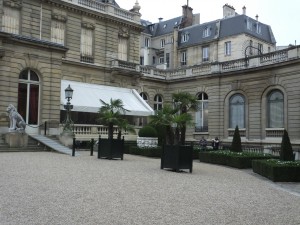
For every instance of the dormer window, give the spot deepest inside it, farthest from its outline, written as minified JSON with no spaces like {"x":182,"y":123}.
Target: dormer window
{"x":249,"y":24}
{"x":165,"y":26}
{"x":258,"y":28}
{"x":207,"y":32}
{"x":184,"y":37}
{"x":176,"y":23}
{"x":147,"y":42}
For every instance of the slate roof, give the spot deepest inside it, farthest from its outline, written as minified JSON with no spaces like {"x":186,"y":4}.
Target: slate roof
{"x":227,"y":27}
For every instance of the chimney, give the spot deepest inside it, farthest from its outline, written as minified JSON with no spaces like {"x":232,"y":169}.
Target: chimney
{"x":187,"y":16}
{"x":256,"y":17}
{"x":228,"y":11}
{"x":160,"y":19}
{"x":244,"y":10}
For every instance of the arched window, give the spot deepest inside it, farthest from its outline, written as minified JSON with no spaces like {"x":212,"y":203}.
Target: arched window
{"x":28,"y":96}
{"x":275,"y":109}
{"x":158,"y":102}
{"x":237,"y":111}
{"x":201,"y":116}
{"x":144,"y":96}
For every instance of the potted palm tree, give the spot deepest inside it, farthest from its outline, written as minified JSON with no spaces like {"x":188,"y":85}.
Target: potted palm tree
{"x":173,"y":120}
{"x":110,"y":114}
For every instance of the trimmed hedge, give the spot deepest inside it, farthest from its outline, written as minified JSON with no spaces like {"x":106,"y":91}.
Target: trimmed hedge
{"x":276,"y":170}
{"x":238,"y":160}
{"x":149,"y":152}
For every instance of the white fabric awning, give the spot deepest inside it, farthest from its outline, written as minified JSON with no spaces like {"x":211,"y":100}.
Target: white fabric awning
{"x":86,"y":98}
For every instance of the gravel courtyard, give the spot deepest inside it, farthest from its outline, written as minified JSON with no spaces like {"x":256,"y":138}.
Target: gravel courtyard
{"x":50,"y":188}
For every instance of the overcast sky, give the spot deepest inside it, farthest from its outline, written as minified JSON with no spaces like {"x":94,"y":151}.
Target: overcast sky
{"x":282,"y":15}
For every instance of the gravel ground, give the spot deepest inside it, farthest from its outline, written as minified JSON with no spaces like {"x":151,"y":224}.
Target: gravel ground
{"x":50,"y":188}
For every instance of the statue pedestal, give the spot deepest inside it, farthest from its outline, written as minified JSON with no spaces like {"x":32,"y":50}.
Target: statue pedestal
{"x":16,"y":139}
{"x":66,"y":138}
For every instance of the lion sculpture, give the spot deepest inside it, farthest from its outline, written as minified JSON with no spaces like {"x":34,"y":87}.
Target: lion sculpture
{"x":17,"y":122}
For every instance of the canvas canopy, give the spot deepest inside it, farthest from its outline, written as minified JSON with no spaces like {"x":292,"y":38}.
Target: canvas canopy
{"x":86,"y":98}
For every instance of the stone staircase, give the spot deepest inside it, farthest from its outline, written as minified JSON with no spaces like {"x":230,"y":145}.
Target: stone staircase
{"x":33,"y":146}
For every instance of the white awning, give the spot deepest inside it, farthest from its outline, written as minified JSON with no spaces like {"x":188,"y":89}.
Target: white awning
{"x":86,"y":98}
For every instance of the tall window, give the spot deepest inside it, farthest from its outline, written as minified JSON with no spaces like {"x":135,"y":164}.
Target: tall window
{"x":11,"y":20}
{"x":275,"y":109}
{"x":162,"y":43}
{"x":201,"y":116}
{"x":261,"y":48}
{"x":161,"y":60}
{"x":228,"y":48}
{"x":123,"y":48}
{"x":86,"y":45}
{"x":183,"y":58}
{"x":249,"y":24}
{"x":251,"y":50}
{"x":237,"y":111}
{"x":205,"y":54}
{"x":58,"y":32}
{"x":258,"y":28}
{"x":147,"y":42}
{"x":158,"y":102}
{"x":168,"y":59}
{"x":28,"y":96}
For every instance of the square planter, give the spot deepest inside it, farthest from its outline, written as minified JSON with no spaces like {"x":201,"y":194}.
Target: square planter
{"x":111,"y":148}
{"x":177,"y":157}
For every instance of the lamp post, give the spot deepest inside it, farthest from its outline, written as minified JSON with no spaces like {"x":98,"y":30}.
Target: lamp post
{"x":68,"y":107}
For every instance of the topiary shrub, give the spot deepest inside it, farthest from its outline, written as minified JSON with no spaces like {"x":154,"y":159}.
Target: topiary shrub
{"x":147,"y":131}
{"x":236,"y":145}
{"x":286,"y":151}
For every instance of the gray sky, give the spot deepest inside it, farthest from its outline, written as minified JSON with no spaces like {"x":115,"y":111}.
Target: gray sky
{"x":282,"y":15}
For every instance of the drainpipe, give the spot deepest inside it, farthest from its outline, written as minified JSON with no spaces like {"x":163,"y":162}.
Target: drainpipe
{"x":41,"y":20}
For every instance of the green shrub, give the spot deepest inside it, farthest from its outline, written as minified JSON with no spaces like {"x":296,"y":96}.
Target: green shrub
{"x":149,"y":152}
{"x":286,"y":151}
{"x":236,"y":145}
{"x":241,"y":160}
{"x":147,"y":131}
{"x":277,"y":170}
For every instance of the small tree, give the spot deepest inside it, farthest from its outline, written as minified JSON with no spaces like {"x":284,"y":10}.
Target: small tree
{"x":286,"y":151}
{"x":236,"y":145}
{"x":110,"y":114}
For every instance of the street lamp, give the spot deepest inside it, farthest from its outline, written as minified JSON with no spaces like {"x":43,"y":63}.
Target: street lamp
{"x":68,"y":107}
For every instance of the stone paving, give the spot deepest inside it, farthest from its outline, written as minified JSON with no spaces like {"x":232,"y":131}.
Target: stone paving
{"x":52,"y":188}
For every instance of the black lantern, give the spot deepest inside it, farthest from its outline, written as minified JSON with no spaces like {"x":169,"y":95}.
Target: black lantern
{"x":68,"y":122}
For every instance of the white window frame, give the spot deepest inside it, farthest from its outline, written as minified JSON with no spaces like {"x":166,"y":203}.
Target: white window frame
{"x":162,"y":43}
{"x":228,"y":48}
{"x":205,"y":54}
{"x":86,"y":42}
{"x":158,"y":102}
{"x":184,"y":37}
{"x":201,"y":115}
{"x":147,"y":42}
{"x":207,"y":31}
{"x":237,"y":111}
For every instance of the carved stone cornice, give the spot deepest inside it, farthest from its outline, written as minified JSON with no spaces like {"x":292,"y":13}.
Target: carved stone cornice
{"x":59,"y":17}
{"x":13,"y":3}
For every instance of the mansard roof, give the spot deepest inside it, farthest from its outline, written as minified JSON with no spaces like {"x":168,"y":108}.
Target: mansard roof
{"x":217,"y":29}
{"x":238,"y":25}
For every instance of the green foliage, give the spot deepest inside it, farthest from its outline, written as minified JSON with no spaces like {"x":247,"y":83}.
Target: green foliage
{"x":110,"y":114}
{"x":286,"y":151}
{"x":236,"y":145}
{"x":241,"y":160}
{"x":277,"y":170}
{"x":148,"y":131}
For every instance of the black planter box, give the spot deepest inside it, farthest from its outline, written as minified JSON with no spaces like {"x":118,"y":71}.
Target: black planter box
{"x":177,"y":157}
{"x":276,"y":173}
{"x":111,"y":148}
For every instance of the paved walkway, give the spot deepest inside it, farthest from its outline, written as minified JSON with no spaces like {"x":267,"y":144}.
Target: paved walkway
{"x":50,"y":188}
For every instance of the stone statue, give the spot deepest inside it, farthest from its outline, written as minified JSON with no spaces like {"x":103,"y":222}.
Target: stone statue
{"x":17,"y":122}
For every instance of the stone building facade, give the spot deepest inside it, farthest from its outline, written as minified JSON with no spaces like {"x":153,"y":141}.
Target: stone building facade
{"x":97,"y":42}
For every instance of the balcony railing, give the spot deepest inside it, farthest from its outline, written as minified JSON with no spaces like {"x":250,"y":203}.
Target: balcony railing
{"x":274,"y":132}
{"x":222,"y":67}
{"x":107,"y":9}
{"x":201,"y":129}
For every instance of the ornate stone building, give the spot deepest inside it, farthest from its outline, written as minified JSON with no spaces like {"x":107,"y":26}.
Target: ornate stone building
{"x":97,"y":45}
